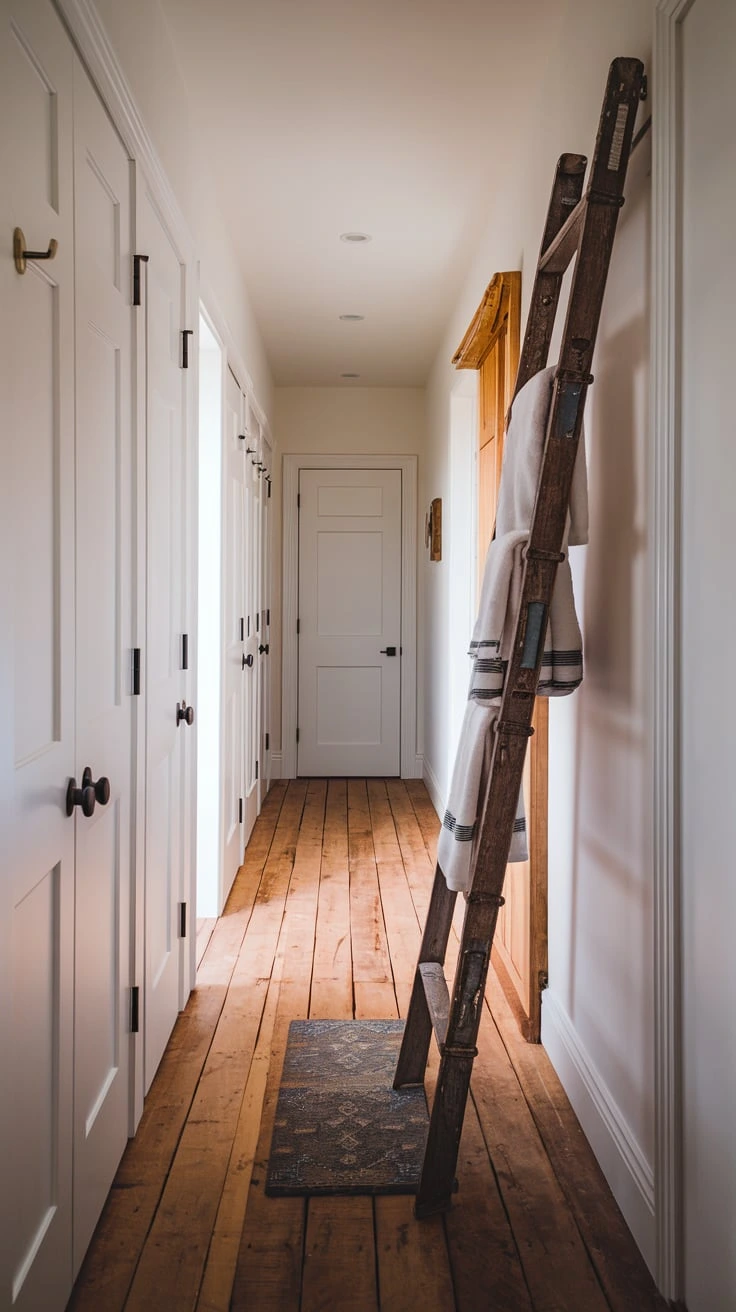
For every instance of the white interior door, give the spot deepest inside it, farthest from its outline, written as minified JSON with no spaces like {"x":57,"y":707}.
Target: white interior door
{"x":36,"y":662}
{"x":104,"y":626}
{"x":162,"y":658}
{"x":253,"y":639}
{"x":349,"y":621}
{"x":264,"y":780}
{"x":234,"y":621}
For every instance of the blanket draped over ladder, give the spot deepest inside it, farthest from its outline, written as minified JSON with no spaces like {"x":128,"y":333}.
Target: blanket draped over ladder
{"x":562,"y":665}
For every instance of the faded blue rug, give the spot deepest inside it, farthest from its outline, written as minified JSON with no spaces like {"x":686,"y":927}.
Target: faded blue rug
{"x":340,"y":1127}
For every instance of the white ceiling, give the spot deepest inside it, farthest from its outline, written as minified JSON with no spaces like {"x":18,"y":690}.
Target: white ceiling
{"x":391,"y":117}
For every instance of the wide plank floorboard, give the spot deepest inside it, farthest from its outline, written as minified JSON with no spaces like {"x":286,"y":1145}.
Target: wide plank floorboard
{"x":324,"y":920}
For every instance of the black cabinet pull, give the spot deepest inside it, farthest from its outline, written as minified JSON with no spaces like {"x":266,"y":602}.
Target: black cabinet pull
{"x":248,"y":660}
{"x":263,"y":647}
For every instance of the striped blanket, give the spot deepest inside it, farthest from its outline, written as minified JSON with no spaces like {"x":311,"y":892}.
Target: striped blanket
{"x":562,"y":665}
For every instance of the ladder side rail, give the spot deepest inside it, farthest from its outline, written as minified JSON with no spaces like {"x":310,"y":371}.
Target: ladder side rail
{"x":543,"y":553}
{"x":567,"y":188}
{"x":417,"y":1036}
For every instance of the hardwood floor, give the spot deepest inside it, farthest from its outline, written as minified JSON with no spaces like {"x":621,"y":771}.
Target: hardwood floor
{"x":324,"y":921}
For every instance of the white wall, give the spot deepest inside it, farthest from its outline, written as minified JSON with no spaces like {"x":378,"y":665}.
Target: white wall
{"x":708,"y":637}
{"x":138,"y":33}
{"x":598,"y":1011}
{"x":359,"y":420}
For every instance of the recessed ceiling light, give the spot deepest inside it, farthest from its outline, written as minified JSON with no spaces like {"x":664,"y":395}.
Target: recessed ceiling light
{"x":350,"y":375}
{"x":354,"y":236}
{"x":352,"y":318}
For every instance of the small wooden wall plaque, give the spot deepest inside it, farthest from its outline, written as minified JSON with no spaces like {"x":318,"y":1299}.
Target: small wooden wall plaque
{"x":434,"y":529}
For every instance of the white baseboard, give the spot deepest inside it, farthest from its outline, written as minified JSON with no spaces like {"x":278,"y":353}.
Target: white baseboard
{"x":433,"y":788}
{"x":275,"y":765}
{"x":629,"y":1174}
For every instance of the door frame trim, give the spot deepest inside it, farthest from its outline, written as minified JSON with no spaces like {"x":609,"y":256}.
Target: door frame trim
{"x":664,"y":514}
{"x":411,"y":761}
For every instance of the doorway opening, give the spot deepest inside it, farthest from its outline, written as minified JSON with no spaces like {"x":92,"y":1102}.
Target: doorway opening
{"x":209,"y":626}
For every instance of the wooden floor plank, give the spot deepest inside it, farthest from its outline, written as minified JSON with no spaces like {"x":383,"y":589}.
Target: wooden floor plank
{"x":268,"y":1272}
{"x":332,"y":975}
{"x":167,"y":1274}
{"x":623,"y":1275}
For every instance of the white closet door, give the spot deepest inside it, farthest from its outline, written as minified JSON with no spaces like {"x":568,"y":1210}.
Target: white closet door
{"x":104,"y":619}
{"x":234,"y":643}
{"x":252,"y":672}
{"x":36,"y":662}
{"x":162,"y":656}
{"x":265,"y":642}
{"x":349,"y":621}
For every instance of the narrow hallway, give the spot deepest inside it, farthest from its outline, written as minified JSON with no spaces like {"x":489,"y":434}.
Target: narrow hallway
{"x":324,"y":921}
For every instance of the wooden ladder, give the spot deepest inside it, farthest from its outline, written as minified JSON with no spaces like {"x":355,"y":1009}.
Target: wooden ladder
{"x":582,"y":225}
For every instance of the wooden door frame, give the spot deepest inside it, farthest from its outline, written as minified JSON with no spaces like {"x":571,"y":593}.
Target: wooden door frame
{"x":499,"y":312}
{"x":411,"y":761}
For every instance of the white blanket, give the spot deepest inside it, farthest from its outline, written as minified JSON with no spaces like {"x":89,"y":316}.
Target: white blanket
{"x":562,"y":664}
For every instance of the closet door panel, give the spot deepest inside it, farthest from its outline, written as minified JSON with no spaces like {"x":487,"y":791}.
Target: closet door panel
{"x":36,"y":662}
{"x":165,"y":682}
{"x":104,"y":620}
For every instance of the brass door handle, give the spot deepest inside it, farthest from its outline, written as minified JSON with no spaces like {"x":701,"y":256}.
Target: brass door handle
{"x":20,"y":254}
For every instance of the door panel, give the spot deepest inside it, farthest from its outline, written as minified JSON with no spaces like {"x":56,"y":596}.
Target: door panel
{"x":252,"y":593}
{"x":104,"y":618}
{"x":165,"y":577}
{"x":520,"y":942}
{"x":349,"y":608}
{"x":235,"y":622}
{"x":36,"y":664}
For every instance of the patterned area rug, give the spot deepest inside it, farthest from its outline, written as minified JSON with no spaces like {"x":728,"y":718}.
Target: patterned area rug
{"x":340,"y":1127}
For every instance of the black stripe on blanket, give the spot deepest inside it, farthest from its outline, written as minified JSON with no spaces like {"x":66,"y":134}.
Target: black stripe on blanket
{"x":562,"y":657}
{"x":489,"y":665}
{"x":520,"y":825}
{"x":561,"y":685}
{"x":484,"y":694}
{"x":490,"y":642}
{"x":461,"y":833}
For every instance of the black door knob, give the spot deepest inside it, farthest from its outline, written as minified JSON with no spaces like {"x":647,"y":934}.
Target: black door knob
{"x":263,"y":648}
{"x":247,"y":660}
{"x":100,"y":786}
{"x":388,"y":651}
{"x":185,"y":713}
{"x":83,"y":797}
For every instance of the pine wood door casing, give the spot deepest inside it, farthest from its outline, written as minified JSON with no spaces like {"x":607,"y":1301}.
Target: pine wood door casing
{"x":492,"y":345}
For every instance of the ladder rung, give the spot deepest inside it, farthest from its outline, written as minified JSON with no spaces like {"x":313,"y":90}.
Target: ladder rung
{"x":562,"y":247}
{"x":438,"y":997}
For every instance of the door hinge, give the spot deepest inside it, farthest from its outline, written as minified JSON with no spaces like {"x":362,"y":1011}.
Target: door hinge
{"x":256,"y":769}
{"x":242,"y":628}
{"x":249,"y":626}
{"x":258,"y":621}
{"x":135,"y":998}
{"x":185,"y":651}
{"x":297,"y":735}
{"x":268,"y":741}
{"x":240,"y":810}
{"x":137,"y":260}
{"x":269,"y":487}
{"x":186,"y":333}
{"x":297,"y":626}
{"x":182,"y":920}
{"x":268,"y":617}
{"x":136,"y":671}
{"x":298,"y":500}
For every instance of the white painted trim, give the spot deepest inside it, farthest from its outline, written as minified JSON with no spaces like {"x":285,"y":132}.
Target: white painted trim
{"x":623,"y":1163}
{"x":410,"y":760}
{"x":665,"y":516}
{"x":276,"y":766}
{"x":433,"y":788}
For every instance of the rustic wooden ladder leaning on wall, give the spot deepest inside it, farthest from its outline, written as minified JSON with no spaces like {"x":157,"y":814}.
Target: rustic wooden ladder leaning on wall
{"x":576,"y":225}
